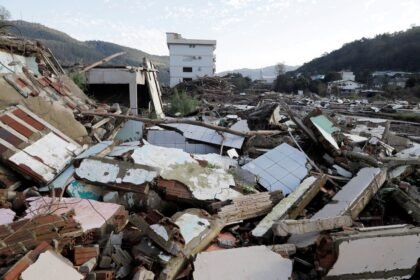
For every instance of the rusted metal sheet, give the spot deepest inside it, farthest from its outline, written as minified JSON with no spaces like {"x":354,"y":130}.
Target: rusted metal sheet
{"x":32,"y":146}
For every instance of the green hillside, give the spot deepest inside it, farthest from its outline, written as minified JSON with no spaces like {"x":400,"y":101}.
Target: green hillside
{"x":70,"y":51}
{"x":396,"y":51}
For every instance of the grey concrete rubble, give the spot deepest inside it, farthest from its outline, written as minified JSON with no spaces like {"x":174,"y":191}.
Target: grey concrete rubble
{"x":250,"y":185}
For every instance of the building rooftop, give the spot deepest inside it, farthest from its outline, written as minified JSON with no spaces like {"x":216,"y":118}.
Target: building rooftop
{"x":175,"y":38}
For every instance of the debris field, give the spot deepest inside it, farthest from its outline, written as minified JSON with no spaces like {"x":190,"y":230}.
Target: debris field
{"x":267,"y":186}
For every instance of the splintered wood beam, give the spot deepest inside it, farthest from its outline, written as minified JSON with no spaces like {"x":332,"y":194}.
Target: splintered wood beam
{"x":102,"y":61}
{"x":186,"y":121}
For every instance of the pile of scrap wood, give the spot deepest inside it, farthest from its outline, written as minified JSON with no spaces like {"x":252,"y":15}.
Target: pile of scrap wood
{"x":206,"y":86}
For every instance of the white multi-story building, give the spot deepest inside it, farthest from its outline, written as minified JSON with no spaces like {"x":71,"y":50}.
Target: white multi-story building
{"x":189,"y":58}
{"x":347,"y":75}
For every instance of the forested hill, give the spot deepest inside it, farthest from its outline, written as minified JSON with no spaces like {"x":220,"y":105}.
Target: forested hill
{"x":70,"y":51}
{"x":395,"y":51}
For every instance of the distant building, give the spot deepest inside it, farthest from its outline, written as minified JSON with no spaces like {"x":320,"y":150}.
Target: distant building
{"x":389,"y":73}
{"x":344,"y":86}
{"x":317,"y":77}
{"x":189,"y":58}
{"x":347,"y":75}
{"x":397,"y":82}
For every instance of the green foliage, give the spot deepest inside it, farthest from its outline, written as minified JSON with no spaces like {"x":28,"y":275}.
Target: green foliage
{"x":332,"y":76}
{"x":289,"y":84}
{"x":240,"y":82}
{"x":182,"y":103}
{"x":396,"y":51}
{"x":79,"y":79}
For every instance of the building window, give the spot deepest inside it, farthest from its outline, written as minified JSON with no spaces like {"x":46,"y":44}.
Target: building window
{"x":186,"y":79}
{"x":192,"y":46}
{"x":187,"y":69}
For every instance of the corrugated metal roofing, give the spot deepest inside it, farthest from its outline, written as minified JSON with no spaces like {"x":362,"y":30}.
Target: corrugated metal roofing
{"x":173,"y":139}
{"x":32,"y":146}
{"x":281,"y":168}
{"x":207,"y":135}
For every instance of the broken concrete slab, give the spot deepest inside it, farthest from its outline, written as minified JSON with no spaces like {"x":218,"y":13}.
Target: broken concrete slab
{"x":116,"y":174}
{"x":256,"y":262}
{"x":292,"y":205}
{"x":6,"y":216}
{"x":204,"y":182}
{"x":51,"y":265}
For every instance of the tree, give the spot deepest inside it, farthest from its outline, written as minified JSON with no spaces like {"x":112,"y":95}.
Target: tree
{"x":4,"y":14}
{"x":283,"y":83}
{"x":280,"y":68}
{"x":332,"y":76}
{"x":240,"y":82}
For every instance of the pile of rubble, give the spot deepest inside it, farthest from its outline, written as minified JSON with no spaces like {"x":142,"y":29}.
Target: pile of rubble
{"x":207,"y":87}
{"x":88,"y":191}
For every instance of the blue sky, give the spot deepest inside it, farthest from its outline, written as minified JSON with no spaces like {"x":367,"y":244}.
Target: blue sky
{"x":249,"y":33}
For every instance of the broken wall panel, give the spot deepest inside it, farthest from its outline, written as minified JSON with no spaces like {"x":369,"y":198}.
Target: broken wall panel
{"x":376,"y":254}
{"x":32,"y":146}
{"x":326,"y":129}
{"x":292,"y":205}
{"x":255,"y":262}
{"x":90,"y":214}
{"x":117,"y":174}
{"x":51,"y":265}
{"x":282,"y":168}
{"x":350,"y":200}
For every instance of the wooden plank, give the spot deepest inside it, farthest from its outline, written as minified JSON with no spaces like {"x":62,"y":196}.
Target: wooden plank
{"x":286,"y":227}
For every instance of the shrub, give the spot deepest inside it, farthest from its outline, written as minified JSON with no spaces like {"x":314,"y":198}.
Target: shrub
{"x":79,"y":79}
{"x":182,"y":103}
